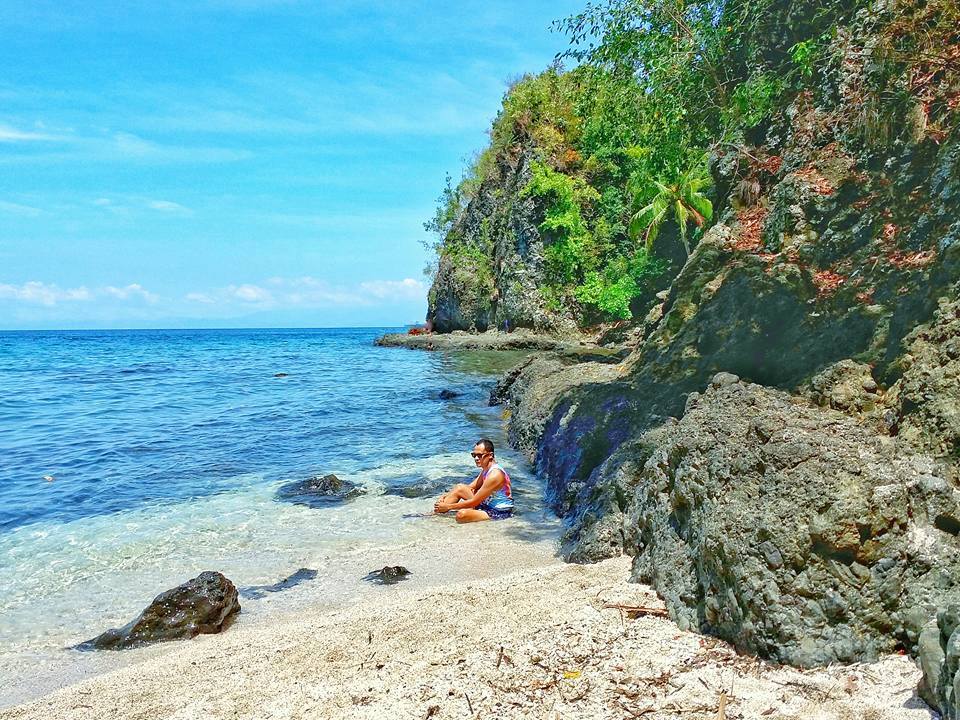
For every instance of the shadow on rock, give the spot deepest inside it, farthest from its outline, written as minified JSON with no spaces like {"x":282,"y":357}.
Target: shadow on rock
{"x":255,"y":592}
{"x":319,"y":491}
{"x":198,"y":607}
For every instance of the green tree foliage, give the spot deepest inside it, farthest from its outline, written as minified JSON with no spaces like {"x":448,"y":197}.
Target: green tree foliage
{"x":449,"y":206}
{"x":682,"y":200}
{"x":608,"y":293}
{"x":620,"y":138}
{"x":570,"y":250}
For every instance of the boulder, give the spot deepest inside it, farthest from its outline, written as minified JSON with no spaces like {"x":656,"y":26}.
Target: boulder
{"x":390,"y":575}
{"x":255,"y":592}
{"x":198,"y":607}
{"x":847,"y":386}
{"x":790,"y":530}
{"x":938,"y":653}
{"x":319,"y":491}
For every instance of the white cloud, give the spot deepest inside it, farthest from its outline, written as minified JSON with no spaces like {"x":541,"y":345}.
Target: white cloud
{"x":12,"y":135}
{"x":311,"y":292}
{"x":38,"y":293}
{"x":406,"y":289}
{"x":17,"y":209}
{"x":199,"y":298}
{"x":50,"y":294}
{"x":250,"y":293}
{"x":112,"y":147}
{"x":134,"y":290}
{"x":132,"y":147}
{"x":168,"y":206}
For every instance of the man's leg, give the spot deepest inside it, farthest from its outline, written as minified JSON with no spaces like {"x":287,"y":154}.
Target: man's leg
{"x":459,"y":492}
{"x":469,"y":515}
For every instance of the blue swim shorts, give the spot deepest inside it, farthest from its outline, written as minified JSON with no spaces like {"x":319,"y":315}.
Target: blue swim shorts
{"x":496,"y":514}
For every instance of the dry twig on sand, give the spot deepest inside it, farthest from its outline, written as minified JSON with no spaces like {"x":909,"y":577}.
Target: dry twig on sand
{"x":634,"y":611}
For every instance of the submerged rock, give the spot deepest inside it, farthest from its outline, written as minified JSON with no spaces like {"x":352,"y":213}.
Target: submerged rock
{"x":447,"y":394}
{"x":255,"y":592}
{"x":198,"y":607}
{"x":418,"y":486}
{"x":319,"y":491}
{"x":390,"y":575}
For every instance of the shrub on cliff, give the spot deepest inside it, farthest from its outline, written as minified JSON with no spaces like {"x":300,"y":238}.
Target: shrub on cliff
{"x":660,"y":84}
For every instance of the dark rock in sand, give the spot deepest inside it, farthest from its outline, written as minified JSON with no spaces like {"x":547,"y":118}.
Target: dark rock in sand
{"x":390,"y":575}
{"x":418,"y":486}
{"x":319,"y":491}
{"x":938,"y":653}
{"x":198,"y":607}
{"x":255,"y":592}
{"x":449,"y":394}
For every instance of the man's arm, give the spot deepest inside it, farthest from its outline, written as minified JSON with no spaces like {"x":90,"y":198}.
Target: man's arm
{"x":477,"y":482}
{"x":491,"y":483}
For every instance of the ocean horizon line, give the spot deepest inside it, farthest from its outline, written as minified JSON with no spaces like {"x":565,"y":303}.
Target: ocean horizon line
{"x":208,"y":329}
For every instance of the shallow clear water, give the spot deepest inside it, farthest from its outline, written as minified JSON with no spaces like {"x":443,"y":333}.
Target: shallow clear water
{"x":166,"y":449}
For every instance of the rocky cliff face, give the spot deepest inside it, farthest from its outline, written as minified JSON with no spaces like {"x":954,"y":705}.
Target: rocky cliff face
{"x":491,"y":271}
{"x":794,"y":531}
{"x":809,"y":512}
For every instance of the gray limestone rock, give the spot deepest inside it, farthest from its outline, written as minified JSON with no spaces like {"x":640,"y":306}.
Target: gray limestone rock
{"x":926,"y":399}
{"x":938,"y":654}
{"x":847,"y":386}
{"x":792,"y":531}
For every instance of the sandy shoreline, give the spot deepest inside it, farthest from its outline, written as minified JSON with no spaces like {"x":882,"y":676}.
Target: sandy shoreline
{"x":436,"y":652}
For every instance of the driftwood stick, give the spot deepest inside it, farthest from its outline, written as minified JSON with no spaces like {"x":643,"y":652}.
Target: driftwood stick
{"x":500,"y":657}
{"x":637,"y":610}
{"x":722,"y":709}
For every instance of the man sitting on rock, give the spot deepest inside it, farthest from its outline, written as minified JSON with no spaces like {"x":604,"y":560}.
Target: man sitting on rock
{"x":488,"y":497}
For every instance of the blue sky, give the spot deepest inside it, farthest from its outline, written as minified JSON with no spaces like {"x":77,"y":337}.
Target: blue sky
{"x":240,"y":163}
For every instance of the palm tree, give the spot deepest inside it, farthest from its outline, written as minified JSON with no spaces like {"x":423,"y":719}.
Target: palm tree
{"x":685,"y":199}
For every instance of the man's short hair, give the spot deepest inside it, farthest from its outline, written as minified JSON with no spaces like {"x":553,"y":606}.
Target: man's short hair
{"x":486,"y":444}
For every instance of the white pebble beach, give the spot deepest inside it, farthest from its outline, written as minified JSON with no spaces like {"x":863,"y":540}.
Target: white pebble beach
{"x":535,"y":643}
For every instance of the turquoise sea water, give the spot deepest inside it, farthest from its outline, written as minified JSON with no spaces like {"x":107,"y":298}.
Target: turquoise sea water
{"x":166,"y":448}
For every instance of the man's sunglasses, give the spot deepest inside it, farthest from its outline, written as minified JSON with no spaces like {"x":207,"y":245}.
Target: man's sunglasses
{"x":476,"y":456}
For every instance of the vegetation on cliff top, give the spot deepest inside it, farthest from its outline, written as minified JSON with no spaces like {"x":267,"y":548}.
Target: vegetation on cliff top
{"x":622,"y":139}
